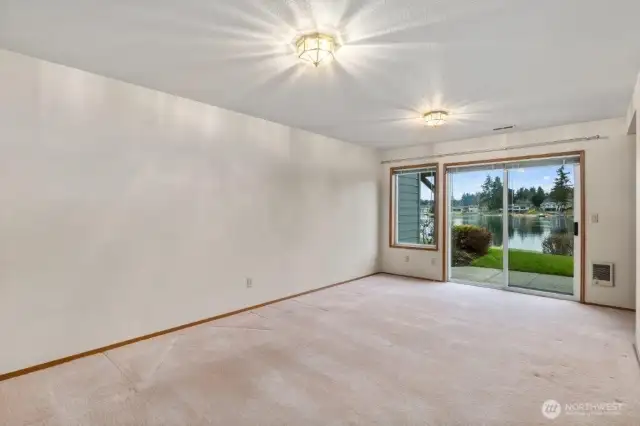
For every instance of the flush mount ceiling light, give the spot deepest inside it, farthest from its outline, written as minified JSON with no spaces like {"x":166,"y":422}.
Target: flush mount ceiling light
{"x":435,"y":118}
{"x":315,"y":47}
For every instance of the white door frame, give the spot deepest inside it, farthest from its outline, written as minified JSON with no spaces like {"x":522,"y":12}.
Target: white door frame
{"x":505,"y":227}
{"x":577,"y":237}
{"x":448,"y":225}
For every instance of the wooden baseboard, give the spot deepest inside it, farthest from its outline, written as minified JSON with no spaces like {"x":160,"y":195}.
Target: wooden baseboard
{"x":609,"y":306}
{"x":97,"y":351}
{"x":437,"y":281}
{"x":409,"y":276}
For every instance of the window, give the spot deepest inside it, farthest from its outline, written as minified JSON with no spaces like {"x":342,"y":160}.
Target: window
{"x":414,"y":222}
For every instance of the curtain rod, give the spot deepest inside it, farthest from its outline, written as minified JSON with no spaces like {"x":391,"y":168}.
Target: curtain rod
{"x":507,"y":148}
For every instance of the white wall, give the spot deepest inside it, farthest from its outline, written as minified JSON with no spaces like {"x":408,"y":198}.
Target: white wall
{"x":610,"y":189}
{"x":634,"y":110}
{"x":125,"y":211}
{"x":637,"y":103}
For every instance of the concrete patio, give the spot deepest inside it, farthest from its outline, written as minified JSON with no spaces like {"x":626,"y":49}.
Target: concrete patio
{"x":528,"y":280}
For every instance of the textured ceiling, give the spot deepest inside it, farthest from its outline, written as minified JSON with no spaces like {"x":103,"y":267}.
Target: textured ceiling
{"x":491,"y":63}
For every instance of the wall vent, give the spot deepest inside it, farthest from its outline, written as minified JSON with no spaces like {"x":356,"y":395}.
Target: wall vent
{"x":602,"y":274}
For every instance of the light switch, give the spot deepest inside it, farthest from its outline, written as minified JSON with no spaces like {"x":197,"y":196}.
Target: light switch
{"x":595,"y":218}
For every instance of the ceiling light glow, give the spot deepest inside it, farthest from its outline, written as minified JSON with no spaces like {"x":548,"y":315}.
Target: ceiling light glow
{"x":316,"y":48}
{"x":435,"y":118}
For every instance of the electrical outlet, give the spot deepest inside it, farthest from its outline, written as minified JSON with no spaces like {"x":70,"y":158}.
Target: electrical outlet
{"x":249,"y":283}
{"x":595,"y":218}
{"x":407,"y":259}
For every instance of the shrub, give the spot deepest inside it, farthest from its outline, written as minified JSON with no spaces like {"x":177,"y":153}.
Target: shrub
{"x":558,"y":243}
{"x":461,"y":258}
{"x":472,"y":239}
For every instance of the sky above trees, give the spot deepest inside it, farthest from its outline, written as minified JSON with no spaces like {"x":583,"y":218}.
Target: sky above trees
{"x":471,"y":182}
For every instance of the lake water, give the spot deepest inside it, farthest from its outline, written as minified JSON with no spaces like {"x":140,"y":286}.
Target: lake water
{"x":525,"y":232}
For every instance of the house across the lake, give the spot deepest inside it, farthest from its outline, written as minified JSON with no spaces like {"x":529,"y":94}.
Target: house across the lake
{"x":519,"y":208}
{"x":465,"y":209}
{"x":552,"y":206}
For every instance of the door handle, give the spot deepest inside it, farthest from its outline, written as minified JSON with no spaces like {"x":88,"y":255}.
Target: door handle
{"x":576,"y":228}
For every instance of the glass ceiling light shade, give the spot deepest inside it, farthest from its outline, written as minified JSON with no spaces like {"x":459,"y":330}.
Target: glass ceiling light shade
{"x":435,"y":118}
{"x":315,"y":48}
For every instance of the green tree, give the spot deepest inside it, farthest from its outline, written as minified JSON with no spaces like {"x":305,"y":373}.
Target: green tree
{"x":486,"y":191}
{"x":562,"y":189}
{"x":491,"y":193}
{"x":469,"y":199}
{"x":496,"y":194}
{"x":538,"y":197}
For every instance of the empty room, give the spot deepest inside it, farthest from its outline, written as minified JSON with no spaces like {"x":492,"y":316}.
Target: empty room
{"x":319,"y":212}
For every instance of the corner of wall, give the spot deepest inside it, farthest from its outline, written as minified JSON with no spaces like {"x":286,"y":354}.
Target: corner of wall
{"x":636,"y":107}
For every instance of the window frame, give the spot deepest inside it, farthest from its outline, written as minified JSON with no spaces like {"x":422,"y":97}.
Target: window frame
{"x":393,"y":207}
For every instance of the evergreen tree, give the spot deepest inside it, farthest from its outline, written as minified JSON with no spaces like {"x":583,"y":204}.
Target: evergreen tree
{"x":485,"y":195}
{"x":491,"y":193}
{"x":562,"y":189}
{"x":538,"y":197}
{"x":469,"y":199}
{"x":496,"y":194}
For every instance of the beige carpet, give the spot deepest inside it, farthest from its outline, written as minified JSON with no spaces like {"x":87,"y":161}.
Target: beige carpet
{"x":383,"y":350}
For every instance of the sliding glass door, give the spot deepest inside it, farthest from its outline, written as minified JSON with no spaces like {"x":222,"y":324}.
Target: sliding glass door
{"x":516,"y":225}
{"x":542,"y":217}
{"x":475,"y":224}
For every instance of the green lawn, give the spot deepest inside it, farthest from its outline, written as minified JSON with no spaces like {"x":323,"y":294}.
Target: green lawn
{"x":528,"y":261}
